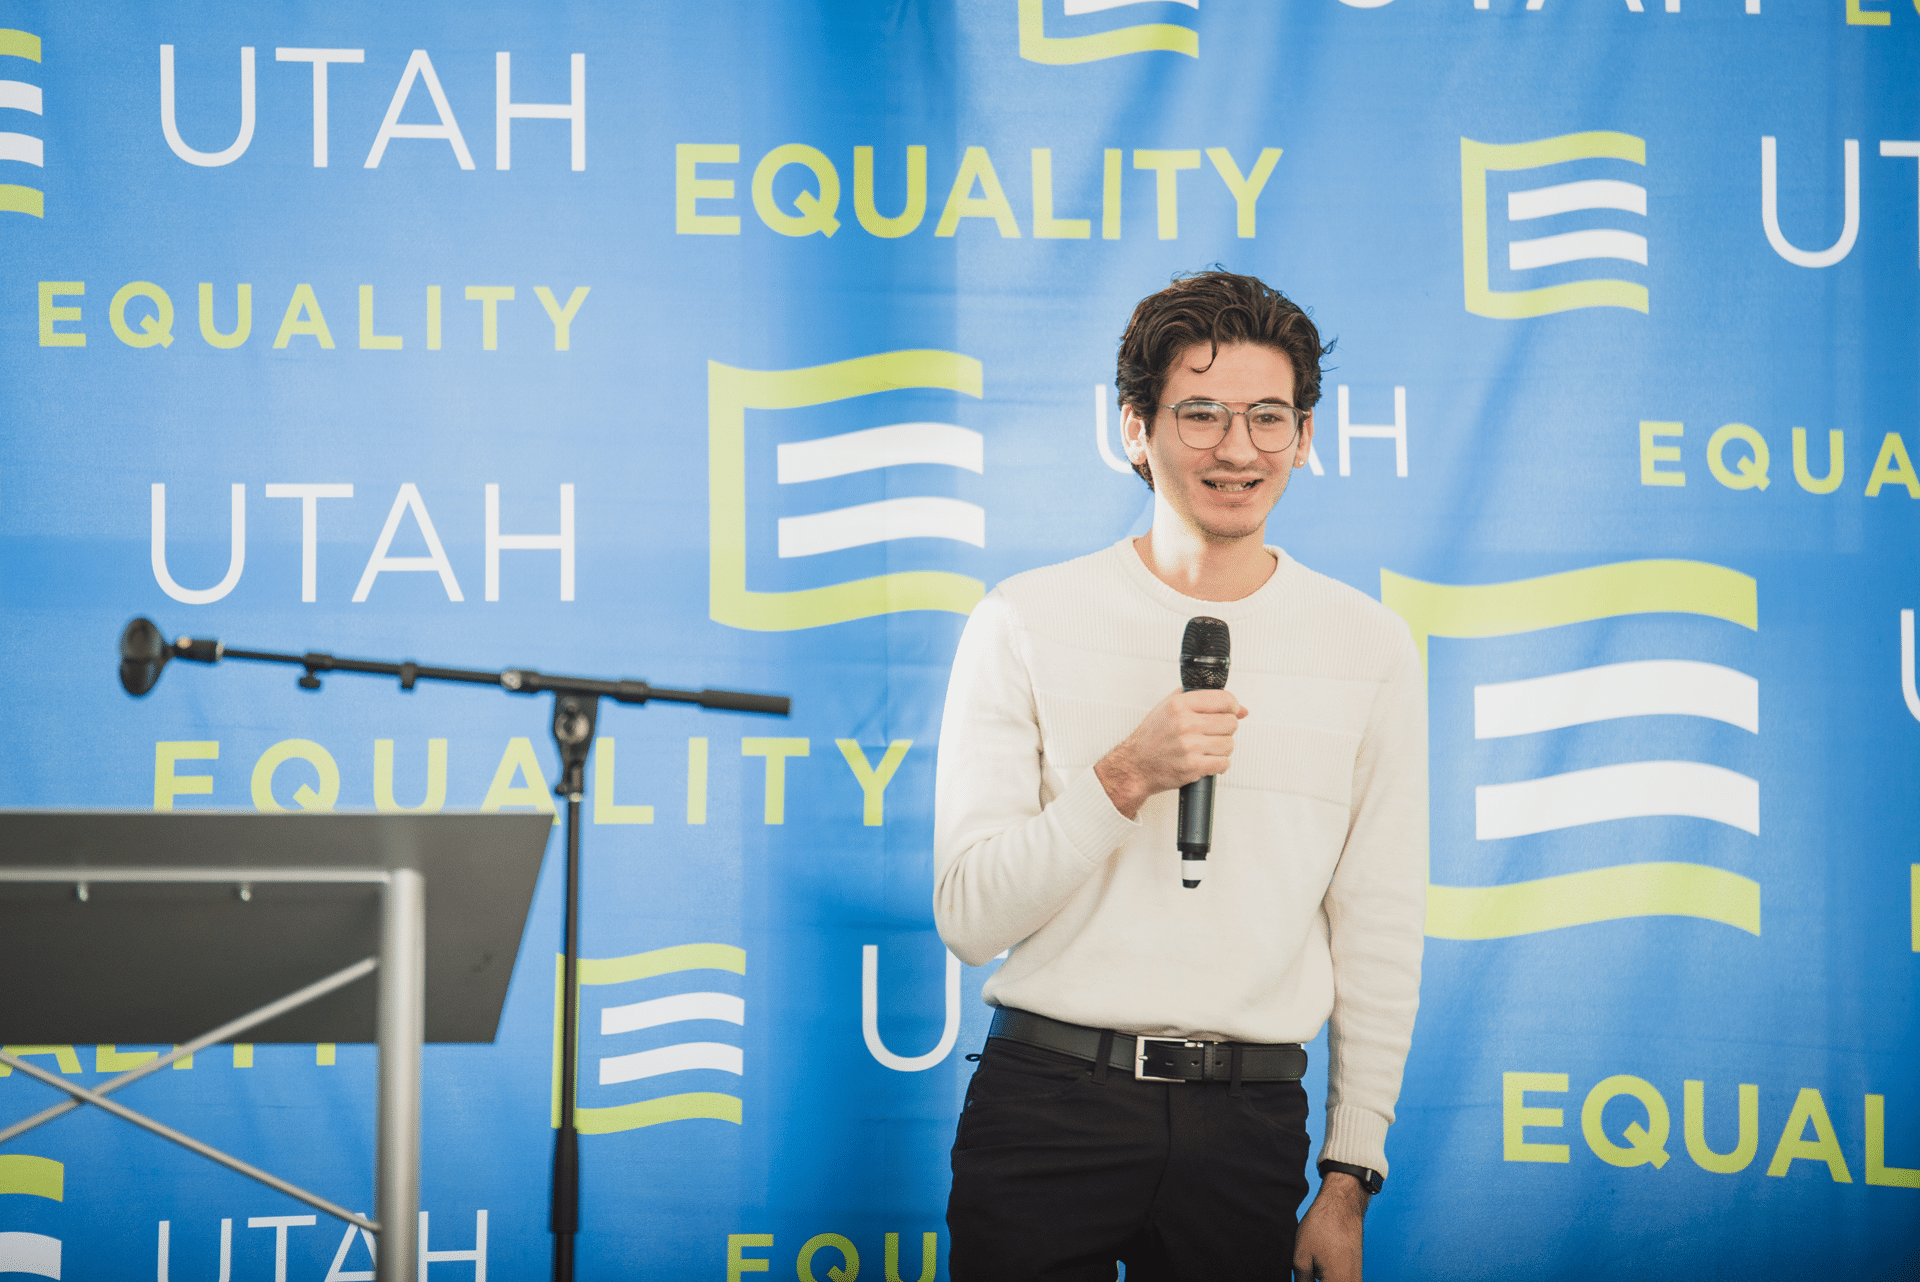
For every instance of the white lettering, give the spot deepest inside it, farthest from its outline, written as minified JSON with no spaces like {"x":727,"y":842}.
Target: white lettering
{"x":870,"y":1015}
{"x":206,"y":159}
{"x":320,"y":58}
{"x":309,"y":496}
{"x":280,"y":1224}
{"x":505,"y":109}
{"x":1892,"y":147}
{"x":408,"y":500}
{"x":478,"y":1255}
{"x":1396,"y":431}
{"x":420,"y":66}
{"x":338,"y":1272}
{"x":498,"y":542}
{"x":1770,"y":211}
{"x":226,"y":1250}
{"x":236,"y":560}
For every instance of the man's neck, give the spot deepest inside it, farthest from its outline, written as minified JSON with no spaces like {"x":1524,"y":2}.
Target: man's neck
{"x":1204,"y":569}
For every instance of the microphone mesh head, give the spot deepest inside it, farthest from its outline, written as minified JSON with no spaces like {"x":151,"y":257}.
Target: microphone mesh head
{"x":143,"y":652}
{"x":1204,"y":652}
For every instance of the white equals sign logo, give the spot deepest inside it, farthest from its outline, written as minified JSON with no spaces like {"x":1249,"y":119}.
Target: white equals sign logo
{"x":1577,"y":246}
{"x":1624,"y":790}
{"x":1655,"y":687}
{"x":18,"y":95}
{"x":732,"y":392}
{"x":659,"y":1012}
{"x":1477,"y":159}
{"x":658,"y":1061}
{"x":920,"y":517}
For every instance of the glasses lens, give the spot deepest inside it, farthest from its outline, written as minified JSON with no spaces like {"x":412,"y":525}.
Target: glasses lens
{"x":1202,"y":424}
{"x":1272,"y":426}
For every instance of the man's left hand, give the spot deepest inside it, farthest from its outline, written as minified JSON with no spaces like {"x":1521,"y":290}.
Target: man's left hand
{"x":1327,"y":1247}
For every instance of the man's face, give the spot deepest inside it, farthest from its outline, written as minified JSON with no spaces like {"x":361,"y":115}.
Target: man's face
{"x":1223,"y":494}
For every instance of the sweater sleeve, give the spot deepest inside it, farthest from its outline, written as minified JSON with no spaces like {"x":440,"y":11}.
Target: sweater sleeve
{"x":1376,"y":919}
{"x":1004,"y":863}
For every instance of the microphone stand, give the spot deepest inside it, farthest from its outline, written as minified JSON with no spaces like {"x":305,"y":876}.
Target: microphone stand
{"x":576,"y":710}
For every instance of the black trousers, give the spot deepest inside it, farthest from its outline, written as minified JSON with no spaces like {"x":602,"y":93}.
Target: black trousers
{"x":1059,"y":1171}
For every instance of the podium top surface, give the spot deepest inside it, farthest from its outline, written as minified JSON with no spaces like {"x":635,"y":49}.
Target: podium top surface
{"x":164,"y":961}
{"x":212,"y":839}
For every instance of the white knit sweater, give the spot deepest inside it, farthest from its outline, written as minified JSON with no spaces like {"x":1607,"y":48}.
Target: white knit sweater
{"x":1314,"y":899}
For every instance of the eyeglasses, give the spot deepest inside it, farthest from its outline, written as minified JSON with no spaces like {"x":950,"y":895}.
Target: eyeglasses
{"x":1202,"y":425}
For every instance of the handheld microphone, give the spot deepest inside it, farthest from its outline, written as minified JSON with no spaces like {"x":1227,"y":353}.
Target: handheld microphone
{"x":1204,"y":652}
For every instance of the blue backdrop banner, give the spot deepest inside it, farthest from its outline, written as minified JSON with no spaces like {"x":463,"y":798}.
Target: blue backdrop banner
{"x":747,"y":344}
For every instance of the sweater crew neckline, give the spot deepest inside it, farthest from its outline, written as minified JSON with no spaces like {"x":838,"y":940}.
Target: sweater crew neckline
{"x":1178,"y":602}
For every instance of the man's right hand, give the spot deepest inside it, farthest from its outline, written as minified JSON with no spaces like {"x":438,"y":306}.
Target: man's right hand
{"x":1189,"y":734}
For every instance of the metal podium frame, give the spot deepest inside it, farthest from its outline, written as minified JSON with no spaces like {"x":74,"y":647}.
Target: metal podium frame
{"x":400,"y":967}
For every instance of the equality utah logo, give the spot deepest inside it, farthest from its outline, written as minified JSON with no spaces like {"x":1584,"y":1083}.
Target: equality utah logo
{"x":1065,"y":50}
{"x":34,"y":1253}
{"x":1544,"y":706}
{"x":622,"y":1054}
{"x":732,"y":392}
{"x":17,"y":148}
{"x":1530,"y":254}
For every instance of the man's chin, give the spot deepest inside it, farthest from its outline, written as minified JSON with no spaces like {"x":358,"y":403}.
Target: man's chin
{"x":1236,"y":523}
{"x":1220,"y":529}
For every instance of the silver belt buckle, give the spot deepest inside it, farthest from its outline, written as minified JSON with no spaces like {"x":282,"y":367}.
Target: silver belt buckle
{"x":1140,"y":1073}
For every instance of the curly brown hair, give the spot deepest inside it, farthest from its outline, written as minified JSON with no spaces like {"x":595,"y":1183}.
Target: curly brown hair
{"x":1215,"y":307}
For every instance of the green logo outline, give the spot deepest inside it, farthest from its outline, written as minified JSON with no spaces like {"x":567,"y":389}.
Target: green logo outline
{"x":1658,"y":889}
{"x":731,"y":393}
{"x":34,"y":1176}
{"x":1476,"y":158}
{"x":714,"y":1105}
{"x":16,"y":198}
{"x":1066,"y":51}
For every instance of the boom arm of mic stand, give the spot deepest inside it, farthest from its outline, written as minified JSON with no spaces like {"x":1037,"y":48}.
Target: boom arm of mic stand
{"x":513,"y":680}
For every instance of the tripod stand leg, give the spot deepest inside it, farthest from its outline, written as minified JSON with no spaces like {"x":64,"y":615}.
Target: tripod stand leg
{"x":402,"y":1027}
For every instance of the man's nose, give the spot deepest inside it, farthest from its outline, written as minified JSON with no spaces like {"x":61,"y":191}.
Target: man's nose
{"x":1237,"y":445}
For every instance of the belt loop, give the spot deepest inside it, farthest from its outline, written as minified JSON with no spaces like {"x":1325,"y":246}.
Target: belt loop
{"x":1233,"y":1053}
{"x":1105,"y":1056}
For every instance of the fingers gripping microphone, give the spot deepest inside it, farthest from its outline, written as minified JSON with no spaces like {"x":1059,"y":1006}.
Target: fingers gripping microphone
{"x":1203,"y":666}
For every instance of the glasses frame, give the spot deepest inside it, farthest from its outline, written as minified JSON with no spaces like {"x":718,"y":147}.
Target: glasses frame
{"x":1300,"y":417}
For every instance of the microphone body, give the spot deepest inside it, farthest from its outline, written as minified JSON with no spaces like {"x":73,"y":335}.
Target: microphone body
{"x":1204,"y":655}
{"x":1196,"y":830}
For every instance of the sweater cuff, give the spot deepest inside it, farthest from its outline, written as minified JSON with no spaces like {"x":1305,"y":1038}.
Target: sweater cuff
{"x":1356,"y":1137}
{"x":1088,"y":820}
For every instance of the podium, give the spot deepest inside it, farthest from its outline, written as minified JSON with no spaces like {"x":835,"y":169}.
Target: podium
{"x":197,"y":928}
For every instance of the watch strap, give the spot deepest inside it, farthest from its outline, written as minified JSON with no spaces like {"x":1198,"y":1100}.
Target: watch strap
{"x":1370,"y":1180}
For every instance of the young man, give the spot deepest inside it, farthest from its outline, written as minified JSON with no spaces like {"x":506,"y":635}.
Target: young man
{"x":1139,"y":1098}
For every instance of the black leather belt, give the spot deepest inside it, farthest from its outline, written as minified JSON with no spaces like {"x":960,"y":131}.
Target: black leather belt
{"x":1156,"y":1059}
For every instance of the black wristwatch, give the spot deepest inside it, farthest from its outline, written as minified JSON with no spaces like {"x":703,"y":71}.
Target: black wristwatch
{"x":1370,"y":1179}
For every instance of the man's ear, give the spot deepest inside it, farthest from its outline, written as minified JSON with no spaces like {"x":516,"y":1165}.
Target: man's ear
{"x":1303,"y":448}
{"x":1133,"y":435}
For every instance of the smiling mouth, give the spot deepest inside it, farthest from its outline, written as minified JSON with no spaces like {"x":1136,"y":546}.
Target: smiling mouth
{"x":1229,"y":485}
